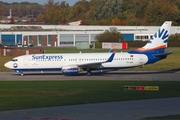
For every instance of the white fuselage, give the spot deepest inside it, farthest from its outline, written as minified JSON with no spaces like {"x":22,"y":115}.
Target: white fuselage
{"x":57,"y":61}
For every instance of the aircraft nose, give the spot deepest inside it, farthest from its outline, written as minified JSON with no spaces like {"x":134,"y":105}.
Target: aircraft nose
{"x":8,"y":65}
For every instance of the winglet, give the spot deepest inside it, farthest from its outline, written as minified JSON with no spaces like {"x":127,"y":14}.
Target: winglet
{"x":111,"y":57}
{"x":111,"y":50}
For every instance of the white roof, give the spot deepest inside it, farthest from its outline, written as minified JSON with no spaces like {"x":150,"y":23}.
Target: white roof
{"x":95,"y":29}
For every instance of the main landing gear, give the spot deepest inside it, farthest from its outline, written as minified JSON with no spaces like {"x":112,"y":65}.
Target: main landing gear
{"x":89,"y":72}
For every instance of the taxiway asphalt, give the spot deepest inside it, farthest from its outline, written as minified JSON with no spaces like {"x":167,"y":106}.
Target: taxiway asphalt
{"x":124,"y":110}
{"x":112,"y":75}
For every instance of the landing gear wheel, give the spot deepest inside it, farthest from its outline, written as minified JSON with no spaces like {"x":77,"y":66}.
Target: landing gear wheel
{"x":88,"y":73}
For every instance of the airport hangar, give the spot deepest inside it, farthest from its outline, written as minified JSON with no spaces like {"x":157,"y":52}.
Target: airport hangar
{"x":69,"y":36}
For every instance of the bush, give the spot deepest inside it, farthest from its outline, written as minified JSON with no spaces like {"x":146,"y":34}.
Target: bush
{"x":98,"y":44}
{"x":174,"y":37}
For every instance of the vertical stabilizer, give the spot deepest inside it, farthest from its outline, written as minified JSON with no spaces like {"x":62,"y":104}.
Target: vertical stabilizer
{"x":159,"y":40}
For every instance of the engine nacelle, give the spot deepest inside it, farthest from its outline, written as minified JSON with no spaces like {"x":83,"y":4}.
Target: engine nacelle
{"x":70,"y":70}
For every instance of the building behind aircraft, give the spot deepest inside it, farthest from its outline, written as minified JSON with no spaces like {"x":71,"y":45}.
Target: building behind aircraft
{"x":69,"y":36}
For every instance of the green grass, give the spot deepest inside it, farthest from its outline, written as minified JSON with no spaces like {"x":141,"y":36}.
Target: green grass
{"x":170,"y":63}
{"x":4,"y":59}
{"x":35,"y":94}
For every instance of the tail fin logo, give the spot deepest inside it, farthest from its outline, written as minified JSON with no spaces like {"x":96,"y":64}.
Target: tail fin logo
{"x":159,"y":40}
{"x":162,"y":34}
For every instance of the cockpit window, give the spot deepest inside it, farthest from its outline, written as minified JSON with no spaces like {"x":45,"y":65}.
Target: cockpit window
{"x":14,"y":60}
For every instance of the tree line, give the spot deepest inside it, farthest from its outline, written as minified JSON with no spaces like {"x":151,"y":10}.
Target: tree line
{"x":98,"y":12}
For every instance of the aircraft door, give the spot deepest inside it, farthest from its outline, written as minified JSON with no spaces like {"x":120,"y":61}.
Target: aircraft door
{"x":25,"y":61}
{"x":141,"y":59}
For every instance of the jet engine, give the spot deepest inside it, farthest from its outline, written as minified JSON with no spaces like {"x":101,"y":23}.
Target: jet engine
{"x":70,"y":70}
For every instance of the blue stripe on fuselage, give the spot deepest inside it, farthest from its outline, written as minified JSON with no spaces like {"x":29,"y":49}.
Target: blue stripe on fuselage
{"x":36,"y":69}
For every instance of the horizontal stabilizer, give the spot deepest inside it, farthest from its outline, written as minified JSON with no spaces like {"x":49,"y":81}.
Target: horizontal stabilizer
{"x":163,"y":54}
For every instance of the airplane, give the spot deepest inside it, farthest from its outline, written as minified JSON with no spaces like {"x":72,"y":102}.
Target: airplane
{"x":74,"y":63}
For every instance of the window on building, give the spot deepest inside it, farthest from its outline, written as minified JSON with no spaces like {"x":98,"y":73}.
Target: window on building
{"x":66,"y":42}
{"x":30,"y":40}
{"x":39,"y":39}
{"x":142,"y":37}
{"x":49,"y":39}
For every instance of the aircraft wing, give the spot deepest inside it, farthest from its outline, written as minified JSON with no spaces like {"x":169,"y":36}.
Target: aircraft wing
{"x":96,"y":64}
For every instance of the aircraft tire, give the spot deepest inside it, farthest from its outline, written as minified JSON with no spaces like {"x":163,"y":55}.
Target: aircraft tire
{"x":89,"y":73}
